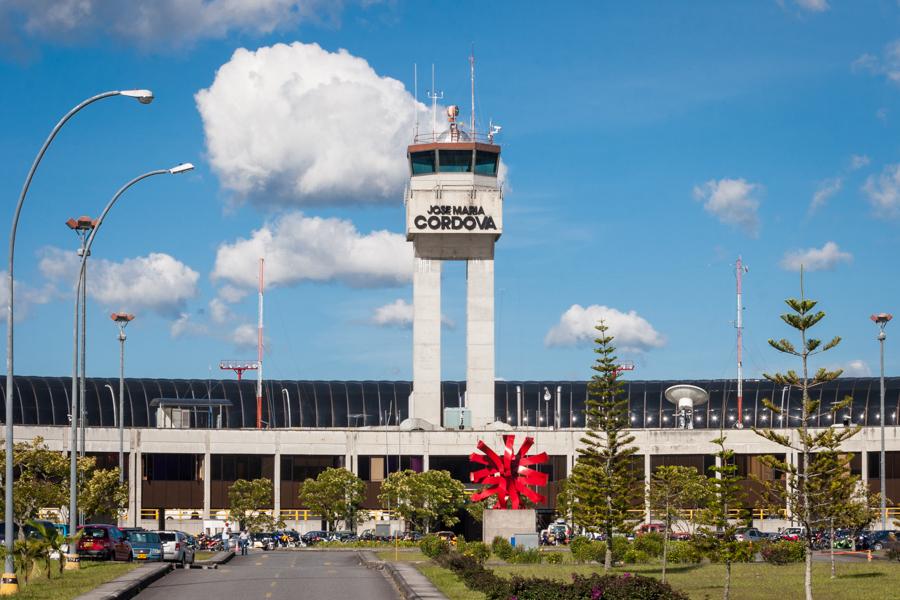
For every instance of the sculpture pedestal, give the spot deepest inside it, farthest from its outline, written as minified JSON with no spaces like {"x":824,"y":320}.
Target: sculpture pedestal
{"x":508,"y":523}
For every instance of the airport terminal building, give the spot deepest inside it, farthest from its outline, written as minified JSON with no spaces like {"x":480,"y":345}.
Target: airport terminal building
{"x":186,"y":441}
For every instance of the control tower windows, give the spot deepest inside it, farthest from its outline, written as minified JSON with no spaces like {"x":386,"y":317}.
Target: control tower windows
{"x":455,"y":161}
{"x":423,"y":163}
{"x":486,"y":163}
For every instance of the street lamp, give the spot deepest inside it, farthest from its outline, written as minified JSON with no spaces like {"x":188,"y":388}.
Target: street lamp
{"x":547,"y":398}
{"x":122,"y":320}
{"x":73,"y":489}
{"x":881,"y":319}
{"x":82,"y":226}
{"x":10,"y":584}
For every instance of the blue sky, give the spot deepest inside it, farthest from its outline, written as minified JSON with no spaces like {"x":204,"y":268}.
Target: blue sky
{"x":647,"y":146}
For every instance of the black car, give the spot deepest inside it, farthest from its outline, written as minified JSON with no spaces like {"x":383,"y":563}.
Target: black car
{"x":313,"y":537}
{"x":878,"y":540}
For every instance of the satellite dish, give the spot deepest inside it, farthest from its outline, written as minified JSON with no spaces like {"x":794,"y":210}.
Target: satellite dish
{"x":685,"y":398}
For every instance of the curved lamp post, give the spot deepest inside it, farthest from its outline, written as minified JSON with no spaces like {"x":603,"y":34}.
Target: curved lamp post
{"x":9,"y":582}
{"x":73,"y":461}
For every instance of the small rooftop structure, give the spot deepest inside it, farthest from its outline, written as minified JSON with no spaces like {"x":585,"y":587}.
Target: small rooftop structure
{"x":188,"y":413}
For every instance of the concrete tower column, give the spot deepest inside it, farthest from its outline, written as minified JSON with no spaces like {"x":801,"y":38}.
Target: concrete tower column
{"x":427,"y":341}
{"x":480,"y":340}
{"x":207,"y":482}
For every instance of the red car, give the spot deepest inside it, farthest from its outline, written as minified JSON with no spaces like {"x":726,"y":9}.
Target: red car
{"x":105,"y":542}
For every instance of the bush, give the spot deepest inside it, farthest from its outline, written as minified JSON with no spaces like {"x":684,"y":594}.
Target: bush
{"x":586,"y":550}
{"x":476,"y":550}
{"x":521,"y":556}
{"x":432,"y":546}
{"x":607,"y":587}
{"x":620,"y":546}
{"x":744,"y":552}
{"x":554,"y":558}
{"x":683,"y":552}
{"x":501,"y":547}
{"x":783,"y":552}
{"x":635,"y":556}
{"x":651,"y":543}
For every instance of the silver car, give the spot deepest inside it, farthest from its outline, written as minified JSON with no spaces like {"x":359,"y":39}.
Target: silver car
{"x":176,"y":547}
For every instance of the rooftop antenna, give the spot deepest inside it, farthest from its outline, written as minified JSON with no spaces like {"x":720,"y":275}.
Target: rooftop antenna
{"x":434,"y":95}
{"x":739,"y":270}
{"x":259,"y":348}
{"x":472,"y":77}
{"x":416,"y":95}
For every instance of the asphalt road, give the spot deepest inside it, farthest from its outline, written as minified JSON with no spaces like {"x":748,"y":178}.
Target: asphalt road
{"x":281,"y":575}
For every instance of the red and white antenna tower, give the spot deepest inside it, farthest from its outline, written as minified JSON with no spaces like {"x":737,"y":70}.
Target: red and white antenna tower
{"x":259,"y":349}
{"x":739,"y":270}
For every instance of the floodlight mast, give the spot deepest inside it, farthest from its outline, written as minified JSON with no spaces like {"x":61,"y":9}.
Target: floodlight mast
{"x":881,"y":319}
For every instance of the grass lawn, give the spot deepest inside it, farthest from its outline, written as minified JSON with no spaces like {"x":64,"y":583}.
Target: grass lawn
{"x":203,"y":555}
{"x":72,"y":583}
{"x":878,"y":580}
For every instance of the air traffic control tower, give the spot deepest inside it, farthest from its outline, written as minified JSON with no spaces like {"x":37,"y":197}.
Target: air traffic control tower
{"x":454,"y":211}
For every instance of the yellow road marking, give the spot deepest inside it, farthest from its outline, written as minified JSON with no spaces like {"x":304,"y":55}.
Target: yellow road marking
{"x":330,"y":572}
{"x":274,"y":583}
{"x":327,"y":564}
{"x":258,"y":564}
{"x":268,"y":594}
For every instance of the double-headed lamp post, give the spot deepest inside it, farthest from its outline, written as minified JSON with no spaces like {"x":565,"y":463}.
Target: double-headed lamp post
{"x":73,"y":466}
{"x":9,"y":584}
{"x":881,"y":319}
{"x":122,"y":319}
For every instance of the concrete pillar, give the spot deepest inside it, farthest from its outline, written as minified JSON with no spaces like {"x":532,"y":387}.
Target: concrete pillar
{"x":480,"y":341}
{"x":426,"y":463}
{"x":207,"y":483}
{"x":276,"y":481}
{"x":138,"y":478}
{"x":648,"y":473}
{"x":427,"y":341}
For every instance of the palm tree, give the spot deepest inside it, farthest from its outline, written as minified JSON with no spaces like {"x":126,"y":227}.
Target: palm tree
{"x":53,"y":541}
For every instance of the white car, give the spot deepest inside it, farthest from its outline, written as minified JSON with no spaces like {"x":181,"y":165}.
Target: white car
{"x":176,"y":547}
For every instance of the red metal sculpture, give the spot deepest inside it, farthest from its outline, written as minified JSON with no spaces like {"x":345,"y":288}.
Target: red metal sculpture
{"x":509,"y":476}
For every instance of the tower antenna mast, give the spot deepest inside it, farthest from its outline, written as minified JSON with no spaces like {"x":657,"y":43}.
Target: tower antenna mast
{"x":434,"y":95}
{"x":259,"y":349}
{"x":416,"y":95}
{"x":472,"y":77}
{"x":739,"y":270}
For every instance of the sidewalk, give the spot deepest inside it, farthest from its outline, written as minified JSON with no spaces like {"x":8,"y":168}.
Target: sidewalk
{"x":411,"y":583}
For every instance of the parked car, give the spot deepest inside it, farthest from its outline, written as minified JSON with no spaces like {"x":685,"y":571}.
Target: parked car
{"x":344,"y":536}
{"x":176,"y":548}
{"x":264,"y":541}
{"x":105,"y":542}
{"x":879,"y":540}
{"x":750,"y":534}
{"x":145,"y":545}
{"x":30,"y":531}
{"x":369,"y":535}
{"x":314,"y":537}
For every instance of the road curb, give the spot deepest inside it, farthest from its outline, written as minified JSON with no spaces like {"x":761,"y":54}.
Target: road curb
{"x":129,"y":584}
{"x":405,"y":590}
{"x":220,"y":558}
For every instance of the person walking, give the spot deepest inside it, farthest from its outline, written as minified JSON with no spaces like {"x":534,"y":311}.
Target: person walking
{"x":245,"y":542}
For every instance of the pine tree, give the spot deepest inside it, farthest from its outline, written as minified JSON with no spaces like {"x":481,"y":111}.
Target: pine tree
{"x":803,"y":499}
{"x":602,"y":485}
{"x":722,"y":513}
{"x":673,"y":489}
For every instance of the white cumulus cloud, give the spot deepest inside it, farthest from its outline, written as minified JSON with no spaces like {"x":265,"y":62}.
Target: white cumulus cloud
{"x":826,"y":190}
{"x":732,"y":201}
{"x":577,"y":325}
{"x":858,"y":161}
{"x":298,"y":125}
{"x":825,"y":258}
{"x":883,"y":191}
{"x":26,"y":297}
{"x":813,"y":5}
{"x":399,"y":313}
{"x":185,"y":325}
{"x":156,"y":282}
{"x":244,"y":336}
{"x":888,"y":64}
{"x":300,"y":248}
{"x":158,"y":24}
{"x":856,"y":368}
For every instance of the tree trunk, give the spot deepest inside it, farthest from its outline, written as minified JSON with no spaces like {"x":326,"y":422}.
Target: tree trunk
{"x":665,"y":552}
{"x":727,"y":591}
{"x":807,"y":575}
{"x":831,"y":533}
{"x":607,"y":560}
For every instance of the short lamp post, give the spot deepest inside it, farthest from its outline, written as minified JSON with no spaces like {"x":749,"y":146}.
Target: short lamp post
{"x":881,"y":319}
{"x":121,"y":319}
